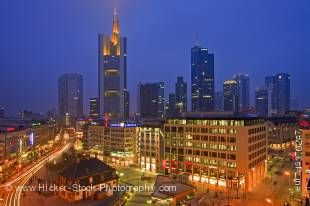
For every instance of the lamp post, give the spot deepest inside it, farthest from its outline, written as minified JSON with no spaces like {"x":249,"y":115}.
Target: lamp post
{"x":287,"y":173}
{"x":269,"y":201}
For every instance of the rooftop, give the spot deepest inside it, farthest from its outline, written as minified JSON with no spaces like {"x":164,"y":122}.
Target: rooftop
{"x":175,"y":187}
{"x":85,"y":168}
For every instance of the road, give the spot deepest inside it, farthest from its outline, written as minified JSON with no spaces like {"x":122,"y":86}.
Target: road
{"x":13,"y":189}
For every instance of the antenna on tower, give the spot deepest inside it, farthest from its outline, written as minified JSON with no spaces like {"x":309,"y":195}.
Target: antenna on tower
{"x":115,"y":12}
{"x":197,"y":39}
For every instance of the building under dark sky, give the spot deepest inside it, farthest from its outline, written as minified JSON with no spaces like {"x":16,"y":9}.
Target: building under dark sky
{"x":243,"y":82}
{"x":279,"y":87}
{"x":202,"y":79}
{"x":261,"y":102}
{"x":42,"y":39}
{"x":231,"y":97}
{"x":112,"y":72}
{"x":70,"y":95}
{"x":180,"y":95}
{"x":151,"y":103}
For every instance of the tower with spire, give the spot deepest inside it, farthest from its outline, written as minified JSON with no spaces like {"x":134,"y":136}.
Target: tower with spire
{"x":112,"y":73}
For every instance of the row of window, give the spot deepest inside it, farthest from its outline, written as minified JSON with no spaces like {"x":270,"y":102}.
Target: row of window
{"x":254,"y":163}
{"x":257,"y":153}
{"x":257,"y":145}
{"x":256,"y":130}
{"x":207,"y":122}
{"x":200,"y":130}
{"x":257,"y":138}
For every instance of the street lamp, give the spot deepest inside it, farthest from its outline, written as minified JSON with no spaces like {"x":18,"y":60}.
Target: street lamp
{"x":269,"y":201}
{"x":287,"y":173}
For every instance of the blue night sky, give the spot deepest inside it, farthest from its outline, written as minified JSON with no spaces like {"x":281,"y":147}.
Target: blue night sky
{"x":41,"y":39}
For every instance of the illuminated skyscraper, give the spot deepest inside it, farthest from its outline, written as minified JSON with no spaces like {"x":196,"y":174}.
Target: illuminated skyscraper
{"x":94,"y":108}
{"x":180,"y":95}
{"x":231,"y":97}
{"x":243,"y":82}
{"x":202,"y":76}
{"x":113,"y":94}
{"x":151,"y":100}
{"x":279,"y":93}
{"x":261,"y":102}
{"x":70,"y":95}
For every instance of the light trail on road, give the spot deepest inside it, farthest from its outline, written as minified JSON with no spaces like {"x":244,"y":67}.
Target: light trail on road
{"x":14,"y":196}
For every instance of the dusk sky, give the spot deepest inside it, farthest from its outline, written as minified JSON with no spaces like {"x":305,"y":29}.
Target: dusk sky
{"x":41,"y":39}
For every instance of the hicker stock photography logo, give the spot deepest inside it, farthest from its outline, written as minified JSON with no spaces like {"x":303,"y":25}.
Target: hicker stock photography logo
{"x":298,"y":161}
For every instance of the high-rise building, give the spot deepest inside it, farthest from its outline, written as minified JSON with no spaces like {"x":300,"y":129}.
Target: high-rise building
{"x":171,"y":106}
{"x":2,"y":112}
{"x":94,"y":108}
{"x":231,"y":97}
{"x":270,"y":82}
{"x":261,"y":102}
{"x":218,"y":101}
{"x":279,"y":93}
{"x":243,"y":82}
{"x":227,"y":153}
{"x":113,"y":94}
{"x":202,"y":77}
{"x":70,"y":95}
{"x":180,"y":95}
{"x":283,"y":85}
{"x":151,"y":100}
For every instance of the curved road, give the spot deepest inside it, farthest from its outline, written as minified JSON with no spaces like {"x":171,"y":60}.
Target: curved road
{"x":14,"y":188}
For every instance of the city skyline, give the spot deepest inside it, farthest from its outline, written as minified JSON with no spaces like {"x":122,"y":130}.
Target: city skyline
{"x":229,"y":60}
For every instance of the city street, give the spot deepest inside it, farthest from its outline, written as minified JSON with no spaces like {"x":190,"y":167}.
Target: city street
{"x":13,"y":189}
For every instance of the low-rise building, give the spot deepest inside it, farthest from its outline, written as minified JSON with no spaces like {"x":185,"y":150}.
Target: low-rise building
{"x":168,"y":191}
{"x":302,"y":157}
{"x":222,"y":152}
{"x":87,"y":179}
{"x":281,"y":132}
{"x":116,"y":142}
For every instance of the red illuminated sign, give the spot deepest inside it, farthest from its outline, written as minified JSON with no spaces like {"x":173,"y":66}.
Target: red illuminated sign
{"x":10,"y":129}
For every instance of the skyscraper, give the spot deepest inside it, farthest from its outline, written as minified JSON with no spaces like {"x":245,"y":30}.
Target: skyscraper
{"x":243,"y":82}
{"x":151,"y":100}
{"x":180,"y":95}
{"x":261,"y":102}
{"x":2,"y":112}
{"x":70,"y":95}
{"x":218,"y":101}
{"x":202,"y":77}
{"x":171,"y":106}
{"x":270,"y":84}
{"x":279,"y":93}
{"x":231,"y":97}
{"x":113,"y":93}
{"x":283,"y":85}
{"x":94,"y":108}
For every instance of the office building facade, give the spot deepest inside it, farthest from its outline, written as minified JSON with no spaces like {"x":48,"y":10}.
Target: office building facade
{"x":230,"y":95}
{"x":70,"y":95}
{"x":112,"y":74}
{"x":261,"y":102}
{"x":243,"y":83}
{"x":224,"y":152}
{"x":94,"y":108}
{"x":180,"y":95}
{"x":279,"y":93}
{"x":202,"y":79}
{"x":151,"y":100}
